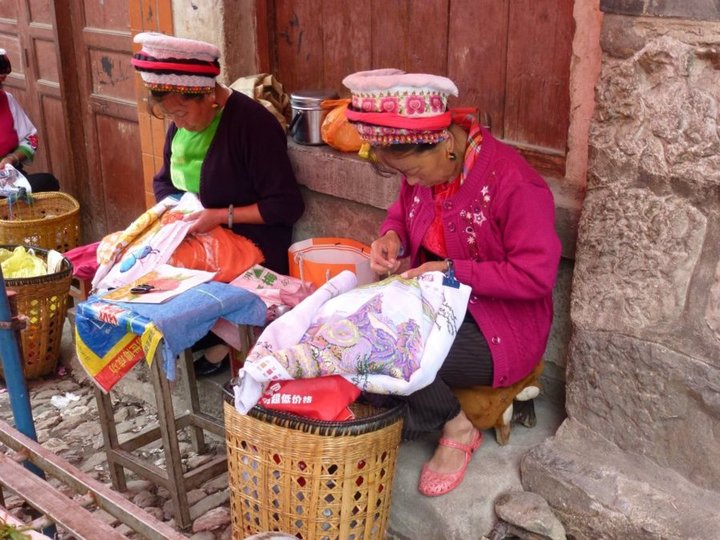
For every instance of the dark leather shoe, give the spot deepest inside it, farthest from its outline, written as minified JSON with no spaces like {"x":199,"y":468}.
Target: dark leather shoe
{"x":205,"y":368}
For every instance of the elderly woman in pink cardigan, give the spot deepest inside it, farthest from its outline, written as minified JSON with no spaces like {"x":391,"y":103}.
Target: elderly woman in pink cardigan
{"x":469,"y":205}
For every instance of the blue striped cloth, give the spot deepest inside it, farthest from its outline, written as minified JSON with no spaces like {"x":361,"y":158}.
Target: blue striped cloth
{"x":182,"y":320}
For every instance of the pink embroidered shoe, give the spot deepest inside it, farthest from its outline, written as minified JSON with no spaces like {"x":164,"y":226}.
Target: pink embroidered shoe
{"x":434,"y":483}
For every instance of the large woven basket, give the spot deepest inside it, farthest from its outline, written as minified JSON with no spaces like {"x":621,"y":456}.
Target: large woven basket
{"x":52,"y":221}
{"x":43,"y":301}
{"x":312,"y":479}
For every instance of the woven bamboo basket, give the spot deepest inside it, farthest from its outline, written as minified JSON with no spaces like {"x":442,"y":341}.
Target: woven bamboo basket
{"x":312,"y":479}
{"x":52,"y":221}
{"x":43,"y":301}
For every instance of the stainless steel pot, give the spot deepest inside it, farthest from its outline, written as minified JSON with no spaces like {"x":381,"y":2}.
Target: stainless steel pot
{"x":308,"y":115}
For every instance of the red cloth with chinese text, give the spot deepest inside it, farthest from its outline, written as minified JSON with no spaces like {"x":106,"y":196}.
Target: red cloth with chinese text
{"x":320,"y":398}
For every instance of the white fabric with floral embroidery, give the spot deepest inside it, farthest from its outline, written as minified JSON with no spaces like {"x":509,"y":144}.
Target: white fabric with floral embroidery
{"x":389,"y":337}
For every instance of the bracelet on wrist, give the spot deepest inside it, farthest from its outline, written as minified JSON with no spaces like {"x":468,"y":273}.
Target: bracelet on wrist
{"x":230,"y":216}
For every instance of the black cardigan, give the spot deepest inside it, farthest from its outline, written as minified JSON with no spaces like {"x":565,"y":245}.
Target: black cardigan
{"x":247,"y":163}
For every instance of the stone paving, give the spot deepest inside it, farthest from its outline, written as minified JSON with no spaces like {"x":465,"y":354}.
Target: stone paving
{"x":66,"y":423}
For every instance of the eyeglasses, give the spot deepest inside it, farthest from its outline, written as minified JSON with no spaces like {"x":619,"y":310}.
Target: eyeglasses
{"x":177,"y":114}
{"x":158,"y":111}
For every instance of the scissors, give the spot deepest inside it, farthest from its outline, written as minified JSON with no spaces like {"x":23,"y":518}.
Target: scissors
{"x":142,"y":288}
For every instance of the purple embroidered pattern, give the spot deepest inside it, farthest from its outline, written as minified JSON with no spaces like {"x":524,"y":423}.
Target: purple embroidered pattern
{"x":361,"y":345}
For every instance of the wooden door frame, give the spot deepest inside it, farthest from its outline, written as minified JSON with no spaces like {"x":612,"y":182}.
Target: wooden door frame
{"x":61,"y":11}
{"x":105,"y":156}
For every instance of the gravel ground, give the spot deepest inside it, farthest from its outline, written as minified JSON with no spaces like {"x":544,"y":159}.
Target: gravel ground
{"x":67,"y":424}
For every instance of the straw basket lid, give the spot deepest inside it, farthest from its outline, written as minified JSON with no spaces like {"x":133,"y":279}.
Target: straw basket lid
{"x":44,"y":205}
{"x":51,"y":221}
{"x":273,"y":535}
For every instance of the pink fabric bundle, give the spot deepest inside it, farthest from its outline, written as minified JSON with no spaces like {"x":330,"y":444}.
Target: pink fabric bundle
{"x":84,"y":260}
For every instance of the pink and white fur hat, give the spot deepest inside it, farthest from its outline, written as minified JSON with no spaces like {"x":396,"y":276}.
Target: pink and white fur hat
{"x":172,"y":64}
{"x":390,"y":106}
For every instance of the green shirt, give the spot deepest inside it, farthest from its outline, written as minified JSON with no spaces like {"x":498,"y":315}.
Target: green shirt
{"x":188,"y":151}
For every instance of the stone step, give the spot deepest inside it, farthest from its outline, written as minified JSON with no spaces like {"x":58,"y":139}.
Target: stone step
{"x":611,"y":493}
{"x":466,"y":512}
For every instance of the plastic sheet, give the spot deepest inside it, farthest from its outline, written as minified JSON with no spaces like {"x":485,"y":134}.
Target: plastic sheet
{"x":21,"y":263}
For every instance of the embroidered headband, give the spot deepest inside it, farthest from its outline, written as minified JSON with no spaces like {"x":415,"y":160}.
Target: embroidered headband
{"x":173,"y":64}
{"x":390,"y":106}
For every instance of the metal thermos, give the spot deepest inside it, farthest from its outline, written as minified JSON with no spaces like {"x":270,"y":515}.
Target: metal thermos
{"x":308,"y":115}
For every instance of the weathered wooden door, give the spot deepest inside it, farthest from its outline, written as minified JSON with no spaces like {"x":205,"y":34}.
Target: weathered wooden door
{"x":27,"y":33}
{"x":509,"y":58}
{"x":72,"y":74}
{"x":102,"y":45}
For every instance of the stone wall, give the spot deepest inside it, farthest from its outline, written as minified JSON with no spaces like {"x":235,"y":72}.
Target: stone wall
{"x":231,"y":26}
{"x":639,"y":456}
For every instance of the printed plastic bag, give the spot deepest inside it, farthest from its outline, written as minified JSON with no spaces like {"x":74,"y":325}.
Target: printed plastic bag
{"x":336,"y":130}
{"x":219,"y":250}
{"x":22,"y":263}
{"x":12,"y":181}
{"x":389,"y":337}
{"x":274,"y":289}
{"x":321,"y":398}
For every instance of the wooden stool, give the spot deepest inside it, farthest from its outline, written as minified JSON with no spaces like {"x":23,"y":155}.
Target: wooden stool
{"x":80,"y":289}
{"x":172,"y":478}
{"x":248,"y":337}
{"x":120,"y":455}
{"x":499,"y":408}
{"x":79,"y":292}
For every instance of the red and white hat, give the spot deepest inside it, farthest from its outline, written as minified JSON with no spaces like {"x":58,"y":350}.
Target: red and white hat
{"x":390,"y":106}
{"x":173,"y":64}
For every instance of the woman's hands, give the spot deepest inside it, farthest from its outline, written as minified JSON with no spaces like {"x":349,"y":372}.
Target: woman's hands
{"x":11,"y":159}
{"x":384,"y":253}
{"x":205,"y":220}
{"x":432,"y":266}
{"x":209,"y":218}
{"x":384,"y":258}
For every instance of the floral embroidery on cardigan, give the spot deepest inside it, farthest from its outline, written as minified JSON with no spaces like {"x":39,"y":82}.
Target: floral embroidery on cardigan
{"x":413,"y":208}
{"x":475,"y":217}
{"x":485,"y":192}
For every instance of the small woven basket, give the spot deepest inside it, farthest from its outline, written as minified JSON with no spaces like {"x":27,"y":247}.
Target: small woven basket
{"x":52,"y":221}
{"x":309,"y":478}
{"x":43,"y":301}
